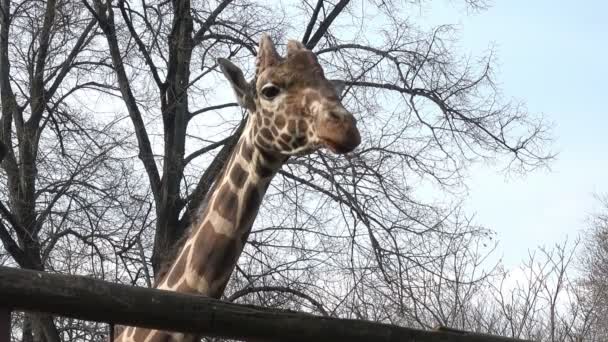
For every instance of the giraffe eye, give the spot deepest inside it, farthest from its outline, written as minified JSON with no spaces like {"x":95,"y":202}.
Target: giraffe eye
{"x":270,"y":91}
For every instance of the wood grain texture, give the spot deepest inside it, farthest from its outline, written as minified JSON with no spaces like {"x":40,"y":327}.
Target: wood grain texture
{"x":5,"y":324}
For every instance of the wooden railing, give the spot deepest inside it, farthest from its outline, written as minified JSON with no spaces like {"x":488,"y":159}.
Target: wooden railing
{"x":95,"y":300}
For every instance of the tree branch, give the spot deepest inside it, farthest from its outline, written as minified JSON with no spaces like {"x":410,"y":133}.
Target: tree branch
{"x":198,"y":37}
{"x":12,"y":247}
{"x":67,"y":64}
{"x":3,"y":151}
{"x":12,"y":220}
{"x":325,"y":24}
{"x":142,"y":48}
{"x":230,"y":38}
{"x":312,"y":21}
{"x":249,"y":290}
{"x":206,"y":149}
{"x":37,"y":89}
{"x":106,"y":22}
{"x":210,"y":108}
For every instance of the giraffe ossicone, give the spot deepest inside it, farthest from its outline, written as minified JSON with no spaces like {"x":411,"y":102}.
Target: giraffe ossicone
{"x":293,"y":109}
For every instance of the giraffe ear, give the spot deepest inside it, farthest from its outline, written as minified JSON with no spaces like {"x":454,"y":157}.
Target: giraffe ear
{"x":241,"y":88}
{"x":339,"y":85}
{"x":294,"y":46}
{"x":267,"y":54}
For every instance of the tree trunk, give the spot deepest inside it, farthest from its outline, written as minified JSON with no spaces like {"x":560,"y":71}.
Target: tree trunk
{"x":175,"y":122}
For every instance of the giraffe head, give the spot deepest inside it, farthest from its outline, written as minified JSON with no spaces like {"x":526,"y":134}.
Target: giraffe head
{"x":294,"y":109}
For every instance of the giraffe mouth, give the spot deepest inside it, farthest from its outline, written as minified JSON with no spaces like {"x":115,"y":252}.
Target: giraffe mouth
{"x":340,"y":135}
{"x":301,"y":151}
{"x":337,"y":147}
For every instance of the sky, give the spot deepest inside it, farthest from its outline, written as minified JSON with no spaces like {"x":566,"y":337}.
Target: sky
{"x":550,"y":55}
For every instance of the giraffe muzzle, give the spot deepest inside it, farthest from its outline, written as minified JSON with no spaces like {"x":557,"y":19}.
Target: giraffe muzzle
{"x":339,"y":133}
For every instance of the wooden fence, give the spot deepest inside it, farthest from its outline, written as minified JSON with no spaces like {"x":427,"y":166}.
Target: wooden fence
{"x":95,"y":300}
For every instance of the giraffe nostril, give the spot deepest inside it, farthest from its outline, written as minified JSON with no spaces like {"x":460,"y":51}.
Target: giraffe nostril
{"x":334,"y":116}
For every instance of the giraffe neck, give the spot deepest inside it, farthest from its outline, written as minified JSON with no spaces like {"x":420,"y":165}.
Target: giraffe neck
{"x":219,"y":232}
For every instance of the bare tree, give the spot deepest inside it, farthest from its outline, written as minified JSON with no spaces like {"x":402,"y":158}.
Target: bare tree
{"x":594,"y":266}
{"x":63,"y":176}
{"x":543,"y":300}
{"x":335,"y":236}
{"x":169,"y":38}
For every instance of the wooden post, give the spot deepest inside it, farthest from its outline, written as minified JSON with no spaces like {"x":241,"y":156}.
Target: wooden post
{"x":5,"y":324}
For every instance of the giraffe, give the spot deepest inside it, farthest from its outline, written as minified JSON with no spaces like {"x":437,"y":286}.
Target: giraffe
{"x":293,"y":110}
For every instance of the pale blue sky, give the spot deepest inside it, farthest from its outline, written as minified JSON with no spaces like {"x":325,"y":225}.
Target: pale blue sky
{"x":552,"y":55}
